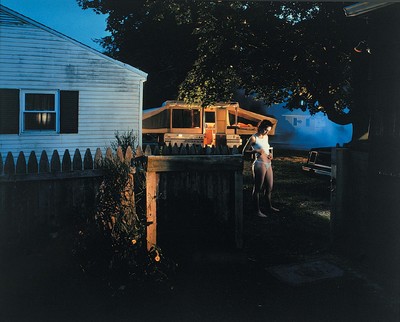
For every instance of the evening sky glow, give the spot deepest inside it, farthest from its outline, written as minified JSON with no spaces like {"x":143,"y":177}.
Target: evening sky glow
{"x":64,"y":16}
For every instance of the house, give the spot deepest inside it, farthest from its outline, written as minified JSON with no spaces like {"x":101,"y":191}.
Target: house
{"x":298,"y":129}
{"x":302,"y":131}
{"x":57,"y":94}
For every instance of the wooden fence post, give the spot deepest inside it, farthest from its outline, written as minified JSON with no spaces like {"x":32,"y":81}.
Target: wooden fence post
{"x":44,"y":163}
{"x":33,"y":166}
{"x":151,"y":208}
{"x":239,"y":208}
{"x":77,"y":160}
{"x":55,"y":162}
{"x":130,"y":194}
{"x":21,"y":164}
{"x":98,"y":159}
{"x":9,"y":166}
{"x":88,"y":160}
{"x":66,"y":162}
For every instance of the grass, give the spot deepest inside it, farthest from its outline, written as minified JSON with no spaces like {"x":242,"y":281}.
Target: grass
{"x":302,"y":228}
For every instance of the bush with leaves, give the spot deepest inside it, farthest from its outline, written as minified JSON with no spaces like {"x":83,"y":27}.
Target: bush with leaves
{"x":124,"y":139}
{"x":112,"y":244}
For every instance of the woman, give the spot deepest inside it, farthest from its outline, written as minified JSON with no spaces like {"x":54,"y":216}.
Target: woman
{"x":258,"y":145}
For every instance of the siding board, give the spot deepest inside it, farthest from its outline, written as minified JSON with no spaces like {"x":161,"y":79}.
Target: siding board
{"x":35,"y":58}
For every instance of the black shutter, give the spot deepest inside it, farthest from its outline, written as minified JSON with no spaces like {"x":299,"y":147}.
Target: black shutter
{"x":69,"y":107}
{"x":9,"y":111}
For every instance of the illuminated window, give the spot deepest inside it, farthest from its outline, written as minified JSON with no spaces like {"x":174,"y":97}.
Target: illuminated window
{"x":39,"y":110}
{"x":297,"y":121}
{"x":32,"y":111}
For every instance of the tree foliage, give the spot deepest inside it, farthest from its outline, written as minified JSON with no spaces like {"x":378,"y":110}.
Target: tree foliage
{"x":149,"y":35}
{"x":202,"y":51}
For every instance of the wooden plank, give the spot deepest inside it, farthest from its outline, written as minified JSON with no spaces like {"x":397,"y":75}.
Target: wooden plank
{"x":52,"y":176}
{"x":21,"y":164}
{"x":166,"y":163}
{"x":239,"y":209}
{"x":151,"y":208}
{"x":66,"y":162}
{"x":225,"y":191}
{"x":9,"y":166}
{"x":88,"y":160}
{"x":55,"y":165}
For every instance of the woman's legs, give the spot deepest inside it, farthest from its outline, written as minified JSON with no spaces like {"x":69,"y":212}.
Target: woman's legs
{"x":259,"y":174}
{"x":269,"y":182}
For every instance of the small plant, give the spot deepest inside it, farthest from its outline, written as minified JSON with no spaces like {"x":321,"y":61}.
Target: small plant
{"x":125,"y":139}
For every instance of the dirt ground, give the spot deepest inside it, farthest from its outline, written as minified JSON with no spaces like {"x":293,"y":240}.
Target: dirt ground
{"x":213,"y":281}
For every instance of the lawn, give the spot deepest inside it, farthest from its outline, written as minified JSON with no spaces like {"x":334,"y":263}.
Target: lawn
{"x":302,"y":226}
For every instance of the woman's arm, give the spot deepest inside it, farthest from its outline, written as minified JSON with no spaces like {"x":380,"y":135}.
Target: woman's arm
{"x":248,"y":145}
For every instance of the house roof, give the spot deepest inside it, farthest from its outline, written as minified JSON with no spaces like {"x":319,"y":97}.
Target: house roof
{"x":61,"y":35}
{"x":230,"y":106}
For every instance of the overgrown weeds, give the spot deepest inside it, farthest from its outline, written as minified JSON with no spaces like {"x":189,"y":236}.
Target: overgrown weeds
{"x":111,"y":243}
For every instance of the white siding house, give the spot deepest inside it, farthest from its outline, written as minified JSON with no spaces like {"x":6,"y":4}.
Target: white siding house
{"x":57,"y":94}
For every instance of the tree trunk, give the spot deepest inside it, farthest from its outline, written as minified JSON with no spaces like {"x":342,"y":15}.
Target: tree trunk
{"x":361,"y":110}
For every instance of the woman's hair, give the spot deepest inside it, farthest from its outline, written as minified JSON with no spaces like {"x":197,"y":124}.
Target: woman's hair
{"x":263,"y":124}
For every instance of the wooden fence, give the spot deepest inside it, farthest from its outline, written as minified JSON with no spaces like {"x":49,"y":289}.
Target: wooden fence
{"x":45,"y":194}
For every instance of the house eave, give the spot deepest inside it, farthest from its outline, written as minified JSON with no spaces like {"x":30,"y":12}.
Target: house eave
{"x":142,"y":74}
{"x":361,"y":8}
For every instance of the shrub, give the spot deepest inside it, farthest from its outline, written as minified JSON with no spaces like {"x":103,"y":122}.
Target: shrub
{"x":111,"y":243}
{"x":124,"y":139}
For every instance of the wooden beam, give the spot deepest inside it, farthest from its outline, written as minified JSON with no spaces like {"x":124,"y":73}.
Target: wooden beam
{"x":166,"y":163}
{"x":239,"y":209}
{"x":151,"y":208}
{"x":52,"y":176}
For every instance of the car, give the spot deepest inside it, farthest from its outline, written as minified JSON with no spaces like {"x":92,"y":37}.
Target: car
{"x":319,"y":161}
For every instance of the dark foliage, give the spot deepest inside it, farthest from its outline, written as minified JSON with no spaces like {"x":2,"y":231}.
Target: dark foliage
{"x":111,"y":244}
{"x":299,"y":53}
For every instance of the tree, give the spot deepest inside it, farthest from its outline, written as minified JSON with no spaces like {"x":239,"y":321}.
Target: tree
{"x":297,"y":53}
{"x":149,"y":35}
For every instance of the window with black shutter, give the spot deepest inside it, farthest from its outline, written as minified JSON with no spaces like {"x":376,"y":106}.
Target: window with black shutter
{"x":40,"y":111}
{"x":9,"y":111}
{"x":69,"y":107}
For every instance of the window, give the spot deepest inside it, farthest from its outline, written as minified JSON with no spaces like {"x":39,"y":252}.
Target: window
{"x":210,"y":117}
{"x":33,"y":111}
{"x":40,"y":111}
{"x":185,"y":118}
